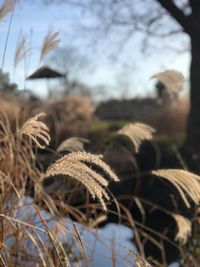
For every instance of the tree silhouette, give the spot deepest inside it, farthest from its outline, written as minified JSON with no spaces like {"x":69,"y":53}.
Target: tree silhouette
{"x":161,"y":19}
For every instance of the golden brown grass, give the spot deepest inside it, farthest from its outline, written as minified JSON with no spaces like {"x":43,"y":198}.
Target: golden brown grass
{"x":18,"y":166}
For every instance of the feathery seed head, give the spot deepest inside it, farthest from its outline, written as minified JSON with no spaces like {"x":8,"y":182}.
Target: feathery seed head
{"x":137,"y":132}
{"x":186,"y":183}
{"x":75,"y":165}
{"x":73,"y":144}
{"x":172,"y":80}
{"x":6,"y":7}
{"x":184,"y":228}
{"x":23,"y":48}
{"x":51,"y":40}
{"x":36,"y":130}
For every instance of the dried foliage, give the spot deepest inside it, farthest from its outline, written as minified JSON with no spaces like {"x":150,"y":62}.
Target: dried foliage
{"x":73,"y":144}
{"x":38,"y":245}
{"x":72,"y":110}
{"x":67,"y":116}
{"x":36,"y":130}
{"x":6,"y":7}
{"x":51,"y":40}
{"x":184,"y":228}
{"x":19,"y":169}
{"x":173,"y":116}
{"x":75,"y":165}
{"x":16,"y":156}
{"x":137,"y":132}
{"x":6,"y":105}
{"x":186,"y":183}
{"x":172,"y":80}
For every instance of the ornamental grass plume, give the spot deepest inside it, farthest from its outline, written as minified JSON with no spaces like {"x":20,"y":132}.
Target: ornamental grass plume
{"x":22,"y":49}
{"x":51,"y":40}
{"x":173,"y":80}
{"x":137,"y":132}
{"x":186,"y":183}
{"x":19,"y":215}
{"x":184,"y":228}
{"x":36,"y":130}
{"x":6,"y":7}
{"x":72,"y":144}
{"x":78,"y":165}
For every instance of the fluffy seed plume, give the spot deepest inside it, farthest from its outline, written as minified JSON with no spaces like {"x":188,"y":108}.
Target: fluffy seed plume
{"x":51,"y":40}
{"x":22,"y":50}
{"x":186,"y":183}
{"x":76,"y":165}
{"x":172,"y":80}
{"x":184,"y":228}
{"x":6,"y":7}
{"x":137,"y":132}
{"x":36,"y":130}
{"x":73,"y":144}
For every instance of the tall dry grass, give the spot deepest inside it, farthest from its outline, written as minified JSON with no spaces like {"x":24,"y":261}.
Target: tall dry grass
{"x":22,"y":173}
{"x":20,"y":241}
{"x":66,"y":117}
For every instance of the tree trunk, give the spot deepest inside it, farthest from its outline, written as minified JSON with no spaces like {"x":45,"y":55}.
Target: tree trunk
{"x":193,"y":127}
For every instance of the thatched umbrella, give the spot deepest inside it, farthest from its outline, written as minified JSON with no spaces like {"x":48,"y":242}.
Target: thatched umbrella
{"x":46,"y":72}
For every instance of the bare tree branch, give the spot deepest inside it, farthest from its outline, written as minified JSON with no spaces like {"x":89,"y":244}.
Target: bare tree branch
{"x":176,"y":13}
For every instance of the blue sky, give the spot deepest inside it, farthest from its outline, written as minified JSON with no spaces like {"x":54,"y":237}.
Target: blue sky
{"x":132,"y":68}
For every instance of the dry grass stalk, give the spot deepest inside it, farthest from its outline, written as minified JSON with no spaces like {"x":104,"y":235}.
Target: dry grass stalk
{"x":21,"y":51}
{"x":172,"y":80}
{"x":36,"y":130}
{"x":51,"y":40}
{"x":138,"y":260}
{"x":186,"y":183}
{"x":137,"y":132}
{"x":18,"y":221}
{"x":73,"y":144}
{"x":16,"y":158}
{"x":184,"y":228}
{"x":6,"y":7}
{"x":75,"y":165}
